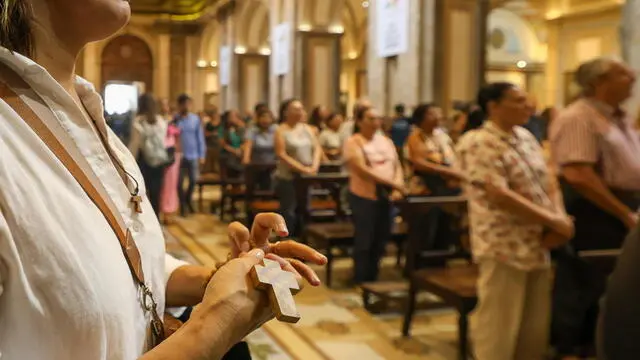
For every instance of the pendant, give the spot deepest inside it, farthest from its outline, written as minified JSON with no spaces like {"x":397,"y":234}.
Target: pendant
{"x":137,"y":201}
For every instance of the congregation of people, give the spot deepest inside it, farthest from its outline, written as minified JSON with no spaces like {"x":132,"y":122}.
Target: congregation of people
{"x":542,"y":187}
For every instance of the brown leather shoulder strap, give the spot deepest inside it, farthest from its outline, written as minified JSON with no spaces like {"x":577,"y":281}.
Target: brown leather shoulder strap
{"x":61,"y":145}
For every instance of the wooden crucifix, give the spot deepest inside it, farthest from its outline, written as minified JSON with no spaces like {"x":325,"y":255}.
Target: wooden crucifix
{"x":137,"y":201}
{"x":281,"y":286}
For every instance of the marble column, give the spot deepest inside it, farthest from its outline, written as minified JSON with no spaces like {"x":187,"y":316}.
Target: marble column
{"x":445,"y":56}
{"x":630,"y":41}
{"x":282,"y":87}
{"x":408,"y":77}
{"x":229,"y":92}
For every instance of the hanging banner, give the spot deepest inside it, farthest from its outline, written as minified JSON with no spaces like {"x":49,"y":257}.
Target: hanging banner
{"x":281,"y":45}
{"x":225,"y":65}
{"x":392,"y":27}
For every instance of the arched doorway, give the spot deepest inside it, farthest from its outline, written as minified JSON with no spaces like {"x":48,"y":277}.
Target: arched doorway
{"x":127,"y":58}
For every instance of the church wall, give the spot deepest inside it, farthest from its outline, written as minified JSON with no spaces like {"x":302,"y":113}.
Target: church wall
{"x":585,"y":31}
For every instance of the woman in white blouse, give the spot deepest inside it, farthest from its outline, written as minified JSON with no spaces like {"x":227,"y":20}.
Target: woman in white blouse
{"x":66,"y":291}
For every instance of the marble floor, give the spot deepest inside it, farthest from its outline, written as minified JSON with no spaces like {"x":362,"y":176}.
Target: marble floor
{"x":334,"y":324}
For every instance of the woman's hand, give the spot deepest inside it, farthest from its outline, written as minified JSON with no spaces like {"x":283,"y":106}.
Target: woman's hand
{"x":243,"y":241}
{"x":309,"y":170}
{"x":232,"y":307}
{"x":396,"y":196}
{"x":563,"y":226}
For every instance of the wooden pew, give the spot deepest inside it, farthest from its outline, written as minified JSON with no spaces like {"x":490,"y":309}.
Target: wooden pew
{"x":259,"y":200}
{"x":429,"y":270}
{"x":330,"y":209}
{"x":231,"y":188}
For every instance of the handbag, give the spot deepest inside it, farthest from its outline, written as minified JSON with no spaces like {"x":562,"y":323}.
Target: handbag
{"x":44,"y":123}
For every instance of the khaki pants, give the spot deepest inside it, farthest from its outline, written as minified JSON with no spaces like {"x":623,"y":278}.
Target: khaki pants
{"x":512,"y":318}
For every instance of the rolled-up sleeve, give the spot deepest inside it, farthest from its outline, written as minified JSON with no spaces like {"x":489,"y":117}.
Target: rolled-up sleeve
{"x":170,"y":265}
{"x":574,"y":140}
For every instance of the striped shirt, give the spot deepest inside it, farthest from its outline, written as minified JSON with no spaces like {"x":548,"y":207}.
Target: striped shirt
{"x":591,"y":132}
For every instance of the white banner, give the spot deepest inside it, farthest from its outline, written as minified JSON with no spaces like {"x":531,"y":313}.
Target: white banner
{"x":281,"y":45}
{"x":392,"y":27}
{"x":225,"y":65}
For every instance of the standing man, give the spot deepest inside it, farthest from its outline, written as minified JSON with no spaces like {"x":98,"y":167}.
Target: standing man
{"x":514,"y":208}
{"x":598,"y":156}
{"x":400,"y":129}
{"x":193,"y":151}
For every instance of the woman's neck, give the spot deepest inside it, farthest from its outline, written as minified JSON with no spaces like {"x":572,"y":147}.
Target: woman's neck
{"x":503,"y":125}
{"x":56,"y":56}
{"x":292,"y":124}
{"x":427,"y":131}
{"x":367,"y":134}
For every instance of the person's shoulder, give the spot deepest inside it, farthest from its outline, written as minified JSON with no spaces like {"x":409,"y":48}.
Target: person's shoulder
{"x":474,"y":139}
{"x":524,"y":134}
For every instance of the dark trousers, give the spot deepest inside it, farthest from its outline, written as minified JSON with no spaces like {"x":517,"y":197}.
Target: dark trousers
{"x":372,"y":220}
{"x":286,"y":193}
{"x":579,"y":285}
{"x":153,"y":179}
{"x":188,"y":168}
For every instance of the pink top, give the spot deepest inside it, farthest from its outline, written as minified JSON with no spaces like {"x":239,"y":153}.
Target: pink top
{"x":382,"y":158}
{"x":172,"y":135}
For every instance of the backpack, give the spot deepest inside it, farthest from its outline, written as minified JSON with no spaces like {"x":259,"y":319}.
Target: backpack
{"x":154,"y":152}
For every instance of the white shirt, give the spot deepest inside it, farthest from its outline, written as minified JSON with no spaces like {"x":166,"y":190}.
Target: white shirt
{"x":67,"y":292}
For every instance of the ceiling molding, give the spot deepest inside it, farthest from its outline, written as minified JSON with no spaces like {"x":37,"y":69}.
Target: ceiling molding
{"x":171,"y":7}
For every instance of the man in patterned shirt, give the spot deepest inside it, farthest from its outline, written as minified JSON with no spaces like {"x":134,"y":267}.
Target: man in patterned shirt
{"x":514,"y":207}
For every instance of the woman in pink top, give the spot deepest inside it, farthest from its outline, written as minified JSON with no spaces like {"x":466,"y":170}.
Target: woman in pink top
{"x":169,"y":196}
{"x":375,"y":178}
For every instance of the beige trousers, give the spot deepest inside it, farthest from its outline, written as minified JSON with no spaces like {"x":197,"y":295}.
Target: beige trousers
{"x":512,"y":318}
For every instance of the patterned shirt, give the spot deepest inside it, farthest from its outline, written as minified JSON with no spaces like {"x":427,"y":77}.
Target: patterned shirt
{"x":591,"y":132}
{"x":513,"y":160}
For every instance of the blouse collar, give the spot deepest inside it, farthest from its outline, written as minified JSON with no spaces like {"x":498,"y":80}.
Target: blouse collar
{"x":51,"y":91}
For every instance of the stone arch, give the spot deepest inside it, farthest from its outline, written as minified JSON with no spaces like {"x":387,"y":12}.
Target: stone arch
{"x":512,"y":38}
{"x":253,"y":25}
{"x":210,"y":42}
{"x":131,"y":29}
{"x":127,"y":58}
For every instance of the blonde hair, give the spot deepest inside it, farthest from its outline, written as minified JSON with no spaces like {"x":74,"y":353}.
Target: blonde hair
{"x":15,"y":28}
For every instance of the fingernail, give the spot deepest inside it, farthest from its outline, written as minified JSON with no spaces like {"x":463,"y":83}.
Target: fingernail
{"x":257,"y":253}
{"x":316,"y":280}
{"x":282,"y":230}
{"x":321,"y":257}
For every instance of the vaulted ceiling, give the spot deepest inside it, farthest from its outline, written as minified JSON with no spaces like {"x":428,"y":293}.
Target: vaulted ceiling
{"x":173,"y":7}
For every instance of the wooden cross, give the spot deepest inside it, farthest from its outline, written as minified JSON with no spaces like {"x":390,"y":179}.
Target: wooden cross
{"x":137,"y":200}
{"x":282,"y":285}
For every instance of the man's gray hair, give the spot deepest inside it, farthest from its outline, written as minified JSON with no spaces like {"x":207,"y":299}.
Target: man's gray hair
{"x":591,"y":71}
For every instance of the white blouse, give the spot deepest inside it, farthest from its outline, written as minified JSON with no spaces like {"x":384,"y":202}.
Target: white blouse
{"x":66,"y":289}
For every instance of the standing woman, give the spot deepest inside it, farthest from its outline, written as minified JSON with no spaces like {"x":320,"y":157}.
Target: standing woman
{"x":431,"y":154}
{"x":147,"y":144}
{"x":259,"y":147}
{"x":232,"y":138}
{"x":375,"y":178}
{"x":298,"y":152}
{"x":169,"y":199}
{"x":67,"y":287}
{"x":331,"y":139}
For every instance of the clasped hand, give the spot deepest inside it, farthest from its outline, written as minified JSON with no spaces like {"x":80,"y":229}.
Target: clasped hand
{"x":230,"y":298}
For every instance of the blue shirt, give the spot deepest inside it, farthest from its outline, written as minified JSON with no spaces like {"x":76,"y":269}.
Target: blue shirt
{"x":191,"y":136}
{"x":263,"y":149}
{"x":400,"y":131}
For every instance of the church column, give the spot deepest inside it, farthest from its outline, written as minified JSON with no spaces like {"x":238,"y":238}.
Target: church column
{"x":228,"y":67}
{"x":406,"y":75}
{"x":163,"y":64}
{"x":284,"y":51}
{"x":462,"y":57}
